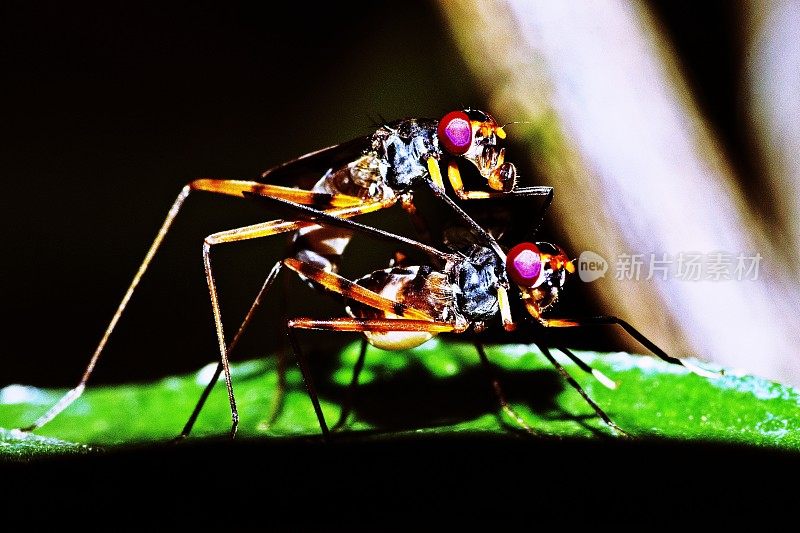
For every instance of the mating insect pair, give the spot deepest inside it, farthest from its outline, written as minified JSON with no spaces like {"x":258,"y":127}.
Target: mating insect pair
{"x":394,"y":308}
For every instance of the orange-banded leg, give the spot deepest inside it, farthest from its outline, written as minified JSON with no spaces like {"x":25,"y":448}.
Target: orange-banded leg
{"x":309,"y":215}
{"x":353,"y":291}
{"x":454,"y":176}
{"x":301,"y":196}
{"x":399,"y":260}
{"x":355,"y":325}
{"x":633,"y":332}
{"x":217,"y":186}
{"x":257,"y":231}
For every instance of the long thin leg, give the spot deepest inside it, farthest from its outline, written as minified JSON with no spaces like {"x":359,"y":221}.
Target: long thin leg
{"x":311,"y":214}
{"x":580,"y":390}
{"x":271,"y":277}
{"x":633,"y":332}
{"x":351,"y":390}
{"x":334,"y":282}
{"x":218,"y":186}
{"x":338,"y":283}
{"x":335,"y":219}
{"x":474,"y":227}
{"x":76,"y":392}
{"x":308,"y":380}
{"x":280,"y":387}
{"x":498,"y":390}
{"x":602,"y":378}
{"x":454,"y":175}
{"x":350,"y":324}
{"x":302,"y":196}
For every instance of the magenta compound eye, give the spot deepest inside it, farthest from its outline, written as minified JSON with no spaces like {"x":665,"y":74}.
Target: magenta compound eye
{"x":455,"y":132}
{"x":524,"y":264}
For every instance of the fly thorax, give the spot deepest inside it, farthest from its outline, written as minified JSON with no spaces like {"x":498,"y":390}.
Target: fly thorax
{"x":405,"y":147}
{"x":477,"y":279}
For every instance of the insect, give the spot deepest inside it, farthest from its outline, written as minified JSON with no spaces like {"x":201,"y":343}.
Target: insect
{"x":400,"y":308}
{"x":361,"y":176}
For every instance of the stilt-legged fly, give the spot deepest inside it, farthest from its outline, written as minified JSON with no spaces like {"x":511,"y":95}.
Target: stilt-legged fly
{"x":361,"y":176}
{"x":403,"y":307}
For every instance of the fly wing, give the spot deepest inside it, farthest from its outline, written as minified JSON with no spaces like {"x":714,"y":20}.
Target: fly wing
{"x":307,"y":169}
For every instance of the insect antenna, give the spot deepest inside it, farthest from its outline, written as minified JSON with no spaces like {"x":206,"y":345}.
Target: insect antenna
{"x":516,"y":122}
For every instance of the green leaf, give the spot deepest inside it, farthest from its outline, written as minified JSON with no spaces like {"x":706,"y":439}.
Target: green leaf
{"x":439,"y":387}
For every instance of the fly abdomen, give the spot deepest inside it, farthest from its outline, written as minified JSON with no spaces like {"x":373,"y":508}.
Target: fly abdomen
{"x":413,"y":287}
{"x":323,"y":246}
{"x":320,"y":246}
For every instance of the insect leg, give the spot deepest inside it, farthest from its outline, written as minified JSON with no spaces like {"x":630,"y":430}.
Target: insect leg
{"x":417,"y":321}
{"x":351,"y":390}
{"x":334,"y":282}
{"x":218,"y":186}
{"x":332,"y":218}
{"x":505,"y":309}
{"x":633,"y":332}
{"x":72,"y":395}
{"x":280,"y":387}
{"x":421,"y":227}
{"x":264,"y":229}
{"x":610,"y":423}
{"x":498,"y":390}
{"x":351,"y":324}
{"x":308,"y":380}
{"x":599,"y":376}
{"x":474,"y":227}
{"x":454,"y":176}
{"x":273,"y":274}
{"x":300,"y":196}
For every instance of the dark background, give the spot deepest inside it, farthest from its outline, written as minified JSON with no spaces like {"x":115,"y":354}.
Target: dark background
{"x":109,"y":110}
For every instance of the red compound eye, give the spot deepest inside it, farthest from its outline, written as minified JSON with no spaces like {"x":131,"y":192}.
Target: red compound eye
{"x":524,"y":264}
{"x":455,"y":132}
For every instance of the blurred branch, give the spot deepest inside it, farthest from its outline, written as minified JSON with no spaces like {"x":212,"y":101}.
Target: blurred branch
{"x":635,"y":167}
{"x":772,"y":88}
